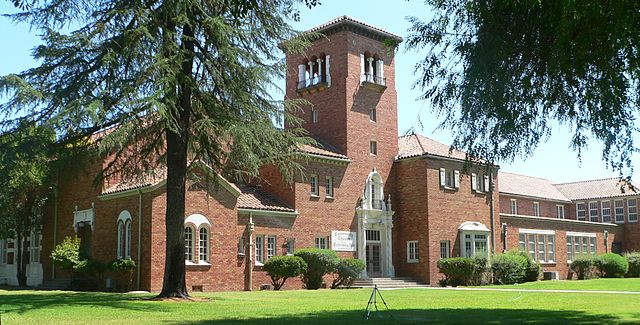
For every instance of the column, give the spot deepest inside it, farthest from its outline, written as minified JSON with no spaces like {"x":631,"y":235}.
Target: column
{"x":389,"y":245}
{"x":327,"y":73}
{"x":362,"y":76}
{"x":362,"y":244}
{"x":380,"y":71}
{"x":370,"y":74}
{"x":301,"y":71}
{"x":310,"y":81}
{"x":319,"y":79}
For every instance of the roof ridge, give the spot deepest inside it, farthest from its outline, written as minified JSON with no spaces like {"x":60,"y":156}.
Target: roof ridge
{"x":529,"y":176}
{"x":589,"y":180}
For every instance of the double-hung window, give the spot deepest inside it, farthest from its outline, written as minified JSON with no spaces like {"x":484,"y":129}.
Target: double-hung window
{"x":445,"y":249}
{"x":606,"y":211}
{"x":412,"y":251}
{"x":593,"y":211}
{"x":536,"y":208}
{"x":203,"y":245}
{"x":474,"y":244}
{"x":449,"y":178}
{"x":329,"y":187}
{"x":632,"y":210}
{"x":514,"y":206}
{"x":373,"y":147}
{"x":259,"y":249}
{"x":560,"y":211}
{"x":188,"y":244}
{"x":619,"y":210}
{"x":321,"y":242}
{"x":271,"y":246}
{"x":580,"y":244}
{"x":540,"y":244}
{"x":315,"y":190}
{"x":373,"y":115}
{"x":581,"y":211}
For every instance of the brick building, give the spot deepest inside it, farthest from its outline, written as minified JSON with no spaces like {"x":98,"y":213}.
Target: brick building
{"x":397,"y":203}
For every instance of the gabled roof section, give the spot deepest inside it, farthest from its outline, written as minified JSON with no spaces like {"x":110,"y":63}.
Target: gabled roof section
{"x":529,"y":186}
{"x":347,"y":23}
{"x":415,"y":145}
{"x":253,"y":197}
{"x":597,"y":188}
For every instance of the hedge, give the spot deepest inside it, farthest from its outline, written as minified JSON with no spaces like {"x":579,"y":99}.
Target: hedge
{"x":612,"y":265}
{"x":633,"y":258}
{"x":462,"y":270}
{"x":509,"y":268}
{"x":584,"y":266}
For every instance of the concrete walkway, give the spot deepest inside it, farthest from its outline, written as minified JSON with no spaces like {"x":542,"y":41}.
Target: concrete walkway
{"x":521,"y":290}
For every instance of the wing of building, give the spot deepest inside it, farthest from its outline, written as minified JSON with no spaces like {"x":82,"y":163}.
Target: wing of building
{"x":398,"y":203}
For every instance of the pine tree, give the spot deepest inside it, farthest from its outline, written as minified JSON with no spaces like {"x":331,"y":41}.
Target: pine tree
{"x":163,"y":83}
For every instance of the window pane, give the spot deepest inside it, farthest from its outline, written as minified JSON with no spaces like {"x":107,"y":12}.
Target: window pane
{"x":188,"y":244}
{"x":203,"y":245}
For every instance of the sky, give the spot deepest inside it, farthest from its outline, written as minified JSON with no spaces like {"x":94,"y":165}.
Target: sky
{"x":553,"y":160}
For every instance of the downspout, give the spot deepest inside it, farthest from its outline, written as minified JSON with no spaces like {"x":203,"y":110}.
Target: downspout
{"x":139,"y":237}
{"x":248,"y":283}
{"x":55,"y":222}
{"x":492,"y":214}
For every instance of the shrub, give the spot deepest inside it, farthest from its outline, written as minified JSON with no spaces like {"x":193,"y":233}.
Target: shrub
{"x":122,"y":265}
{"x":280,"y":268}
{"x":67,"y":254}
{"x":458,"y":270}
{"x":612,"y":265}
{"x":319,"y":262}
{"x":583,"y":266}
{"x":633,"y":259}
{"x":346,"y":272}
{"x":509,"y":268}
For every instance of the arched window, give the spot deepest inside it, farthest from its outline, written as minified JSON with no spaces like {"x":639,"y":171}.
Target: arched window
{"x":373,"y":192}
{"x":188,"y":244}
{"x":203,"y":244}
{"x":124,"y":235}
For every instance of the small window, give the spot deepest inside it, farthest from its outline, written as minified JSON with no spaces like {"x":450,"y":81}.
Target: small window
{"x":373,"y":115}
{"x":373,"y":147}
{"x":188,"y":244}
{"x":121,"y":236}
{"x":581,"y":211}
{"x":314,"y":116}
{"x":445,"y":249}
{"x":514,"y":206}
{"x":241,"y":246}
{"x":619,"y":210}
{"x":606,"y":211}
{"x":329,"y":187}
{"x":271,"y":246}
{"x":259,"y":249}
{"x":412,"y":251}
{"x":203,"y":245}
{"x":593,"y":212}
{"x":315,"y":191}
{"x":127,"y":239}
{"x":321,"y":242}
{"x":34,"y":247}
{"x":290,"y":246}
{"x":560,"y":211}
{"x":536,"y":209}
{"x":632,"y":210}
{"x":449,"y":178}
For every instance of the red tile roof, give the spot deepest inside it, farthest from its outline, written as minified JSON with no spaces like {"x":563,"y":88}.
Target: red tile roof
{"x":253,"y":197}
{"x":529,"y":186}
{"x":354,"y":22}
{"x":414,"y":145}
{"x":150,"y":179}
{"x":597,"y":188}
{"x":323,"y":149}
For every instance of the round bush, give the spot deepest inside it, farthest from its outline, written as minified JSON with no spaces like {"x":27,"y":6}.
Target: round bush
{"x":347,"y":271}
{"x":319,"y":262}
{"x":583,"y":266}
{"x":633,"y":259}
{"x":509,"y":268}
{"x":457,"y":270}
{"x":67,"y":254}
{"x":280,"y":268}
{"x":612,"y":265}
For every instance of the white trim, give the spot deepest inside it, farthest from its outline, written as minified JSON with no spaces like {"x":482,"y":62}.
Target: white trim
{"x":558,"y":208}
{"x":581,"y":234}
{"x":536,"y":231}
{"x":198,"y":220}
{"x":558,"y":220}
{"x":416,"y":252}
{"x":268,"y":213}
{"x":124,"y":216}
{"x":513,"y":206}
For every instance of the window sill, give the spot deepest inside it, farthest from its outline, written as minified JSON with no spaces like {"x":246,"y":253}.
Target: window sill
{"x":413,"y":261}
{"x":451,"y":189}
{"x":315,"y":196}
{"x":259,"y":264}
{"x":480,"y":192}
{"x":634,"y":221}
{"x":329,"y":198}
{"x":548,"y":263}
{"x":200,"y":263}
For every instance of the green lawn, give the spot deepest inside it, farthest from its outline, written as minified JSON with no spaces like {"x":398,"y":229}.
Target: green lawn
{"x":631,"y":284}
{"x":320,"y":307}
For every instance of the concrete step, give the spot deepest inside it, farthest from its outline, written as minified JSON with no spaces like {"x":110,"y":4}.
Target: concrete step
{"x":399,"y":282}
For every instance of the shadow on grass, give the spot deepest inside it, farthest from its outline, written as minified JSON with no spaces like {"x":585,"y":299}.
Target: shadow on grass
{"x":23,"y":302}
{"x":431,"y":316}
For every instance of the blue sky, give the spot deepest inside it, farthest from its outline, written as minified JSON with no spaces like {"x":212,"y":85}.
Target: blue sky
{"x":553,"y":160}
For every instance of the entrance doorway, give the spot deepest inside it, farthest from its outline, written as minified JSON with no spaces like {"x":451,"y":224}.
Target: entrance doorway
{"x":373,"y":259}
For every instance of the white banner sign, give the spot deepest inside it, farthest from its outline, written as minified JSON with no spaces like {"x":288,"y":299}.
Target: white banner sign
{"x":343,"y":241}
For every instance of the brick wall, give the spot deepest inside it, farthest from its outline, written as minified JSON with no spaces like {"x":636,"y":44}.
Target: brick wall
{"x":548,"y":208}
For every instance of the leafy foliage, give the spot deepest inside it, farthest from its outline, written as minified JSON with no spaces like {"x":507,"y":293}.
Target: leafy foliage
{"x":584,"y":266}
{"x":462,"y":270}
{"x":633,"y":258}
{"x":514,"y":267}
{"x":319,"y":262}
{"x":122,"y":265}
{"x":513,"y":70}
{"x":280,"y":268}
{"x":612,"y":265}
{"x":347,"y":271}
{"x":67,"y":253}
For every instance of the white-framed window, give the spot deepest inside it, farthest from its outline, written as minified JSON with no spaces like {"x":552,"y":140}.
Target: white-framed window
{"x":271,"y":246}
{"x":540,"y":244}
{"x":241,"y":246}
{"x":445,"y":251}
{"x":514,"y":206}
{"x":372,"y":235}
{"x":321,"y":242}
{"x":314,"y":116}
{"x":329,"y":187}
{"x":123,"y":226}
{"x":606,"y":211}
{"x":560,"y":211}
{"x":3,"y":252}
{"x":34,"y":247}
{"x":536,"y":208}
{"x":373,"y":147}
{"x":593,"y":211}
{"x":479,"y":182}
{"x":474,"y":244}
{"x":580,"y":244}
{"x":203,"y":244}
{"x":188,"y":244}
{"x":9,"y":257}
{"x":313,"y":182}
{"x":449,"y":178}
{"x":412,"y":251}
{"x":290,"y":246}
{"x":373,"y":115}
{"x":581,"y":211}
{"x":619,"y":210}
{"x":259,"y":249}
{"x":632,"y":210}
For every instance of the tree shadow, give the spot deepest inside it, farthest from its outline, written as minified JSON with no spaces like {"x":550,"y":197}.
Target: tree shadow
{"x":431,"y":316}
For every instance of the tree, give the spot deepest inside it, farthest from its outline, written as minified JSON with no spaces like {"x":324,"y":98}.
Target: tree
{"x":165,"y":83}
{"x":504,"y":73}
{"x":24,"y":179}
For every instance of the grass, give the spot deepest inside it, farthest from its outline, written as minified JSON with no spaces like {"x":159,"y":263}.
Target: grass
{"x":630,"y":284}
{"x":320,"y":307}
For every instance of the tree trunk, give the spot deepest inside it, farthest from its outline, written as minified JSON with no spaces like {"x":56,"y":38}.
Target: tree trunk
{"x":21,"y":261}
{"x":174,"y":284}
